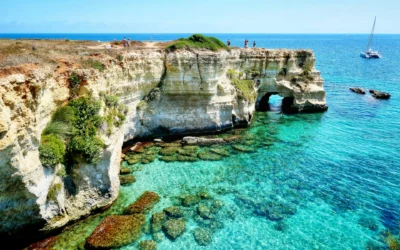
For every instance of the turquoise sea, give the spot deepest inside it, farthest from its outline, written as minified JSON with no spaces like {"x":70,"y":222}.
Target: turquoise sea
{"x":314,"y":181}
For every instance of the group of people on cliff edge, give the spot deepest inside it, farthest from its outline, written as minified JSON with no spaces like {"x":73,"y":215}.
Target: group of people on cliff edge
{"x":246,"y":43}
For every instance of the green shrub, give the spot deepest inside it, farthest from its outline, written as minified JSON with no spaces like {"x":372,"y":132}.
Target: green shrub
{"x":245,"y":89}
{"x":198,"y":41}
{"x":87,"y":119}
{"x":51,"y":150}
{"x":75,"y":82}
{"x":120,"y":57}
{"x":87,"y":147}
{"x":111,"y":100}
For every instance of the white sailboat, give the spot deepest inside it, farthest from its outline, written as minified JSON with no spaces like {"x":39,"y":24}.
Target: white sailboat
{"x":370,"y":53}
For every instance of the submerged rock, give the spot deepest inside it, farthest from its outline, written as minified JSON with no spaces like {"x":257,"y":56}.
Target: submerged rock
{"x":358,"y":90}
{"x":174,"y":228}
{"x":379,"y":95}
{"x":116,"y":231}
{"x":204,"y":211}
{"x":158,"y":237}
{"x":190,"y":140}
{"x":147,"y":245}
{"x":174,"y":212}
{"x":208,"y":156}
{"x":45,"y":244}
{"x":190,"y":200}
{"x":148,"y":158}
{"x":143,"y":204}
{"x":242,"y":148}
{"x":187,"y":158}
{"x":204,"y":195}
{"x":169,"y":151}
{"x":280,"y":226}
{"x":202,"y":236}
{"x":220,"y":151}
{"x":369,"y":222}
{"x":157,"y":221}
{"x":170,"y":158}
{"x":127,"y":179}
{"x":124,"y":171}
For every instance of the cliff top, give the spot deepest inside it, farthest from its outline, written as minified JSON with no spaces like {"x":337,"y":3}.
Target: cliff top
{"x":23,"y":55}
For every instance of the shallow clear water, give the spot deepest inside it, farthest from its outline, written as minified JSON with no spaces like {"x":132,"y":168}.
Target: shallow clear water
{"x":316,"y":181}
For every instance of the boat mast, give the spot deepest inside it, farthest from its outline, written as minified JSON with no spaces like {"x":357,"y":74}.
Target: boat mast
{"x":371,"y":36}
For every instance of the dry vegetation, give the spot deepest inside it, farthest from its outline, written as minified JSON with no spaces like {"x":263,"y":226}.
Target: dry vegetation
{"x":81,"y":54}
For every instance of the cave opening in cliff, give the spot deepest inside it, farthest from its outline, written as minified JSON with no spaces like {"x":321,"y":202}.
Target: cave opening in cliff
{"x":269,"y":102}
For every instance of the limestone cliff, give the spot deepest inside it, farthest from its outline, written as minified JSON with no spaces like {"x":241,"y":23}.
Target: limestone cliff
{"x":186,"y":91}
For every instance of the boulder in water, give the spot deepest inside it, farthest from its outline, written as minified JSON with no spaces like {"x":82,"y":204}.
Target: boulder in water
{"x":143,"y":204}
{"x":157,"y":221}
{"x":174,"y":228}
{"x":44,"y":244}
{"x":380,"y":95}
{"x":174,"y":212}
{"x":358,"y":90}
{"x":127,"y":179}
{"x":116,"y":231}
{"x":148,"y":245}
{"x":202,"y":236}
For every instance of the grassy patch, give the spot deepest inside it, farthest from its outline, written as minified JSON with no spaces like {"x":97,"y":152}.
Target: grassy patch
{"x":197,"y":41}
{"x":245,"y":89}
{"x":53,"y":191}
{"x":51,"y":150}
{"x":94,"y":64}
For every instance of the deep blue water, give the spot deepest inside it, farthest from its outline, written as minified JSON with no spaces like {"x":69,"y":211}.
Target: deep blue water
{"x":328,"y":181}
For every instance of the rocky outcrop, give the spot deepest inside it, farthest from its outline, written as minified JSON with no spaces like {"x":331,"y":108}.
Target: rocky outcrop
{"x":358,"y":90}
{"x":182,"y":92}
{"x":380,"y":95}
{"x":190,"y":140}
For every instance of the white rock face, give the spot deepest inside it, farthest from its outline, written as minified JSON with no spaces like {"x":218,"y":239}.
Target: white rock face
{"x":183,"y":92}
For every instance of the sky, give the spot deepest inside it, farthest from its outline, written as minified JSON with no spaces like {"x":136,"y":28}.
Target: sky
{"x":200,"y":16}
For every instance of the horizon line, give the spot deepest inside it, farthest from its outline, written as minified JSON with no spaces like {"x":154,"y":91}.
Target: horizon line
{"x":165,"y":33}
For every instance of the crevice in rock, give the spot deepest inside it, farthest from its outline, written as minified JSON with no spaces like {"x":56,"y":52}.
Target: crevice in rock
{"x":198,"y":68}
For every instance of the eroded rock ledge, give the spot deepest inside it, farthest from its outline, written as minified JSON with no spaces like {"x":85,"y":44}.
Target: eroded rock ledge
{"x":182,"y":92}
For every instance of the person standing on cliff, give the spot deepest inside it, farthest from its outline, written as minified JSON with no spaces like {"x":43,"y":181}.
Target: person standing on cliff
{"x":228,"y":43}
{"x":246,"y":43}
{"x":129,"y":42}
{"x":124,"y":42}
{"x":254,"y":44}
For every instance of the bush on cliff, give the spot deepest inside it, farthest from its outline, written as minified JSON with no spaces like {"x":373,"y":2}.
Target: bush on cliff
{"x":245,"y":89}
{"x":197,"y":41}
{"x":51,"y":150}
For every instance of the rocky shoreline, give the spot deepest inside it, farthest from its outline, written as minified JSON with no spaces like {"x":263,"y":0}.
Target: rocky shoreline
{"x":166,"y":93}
